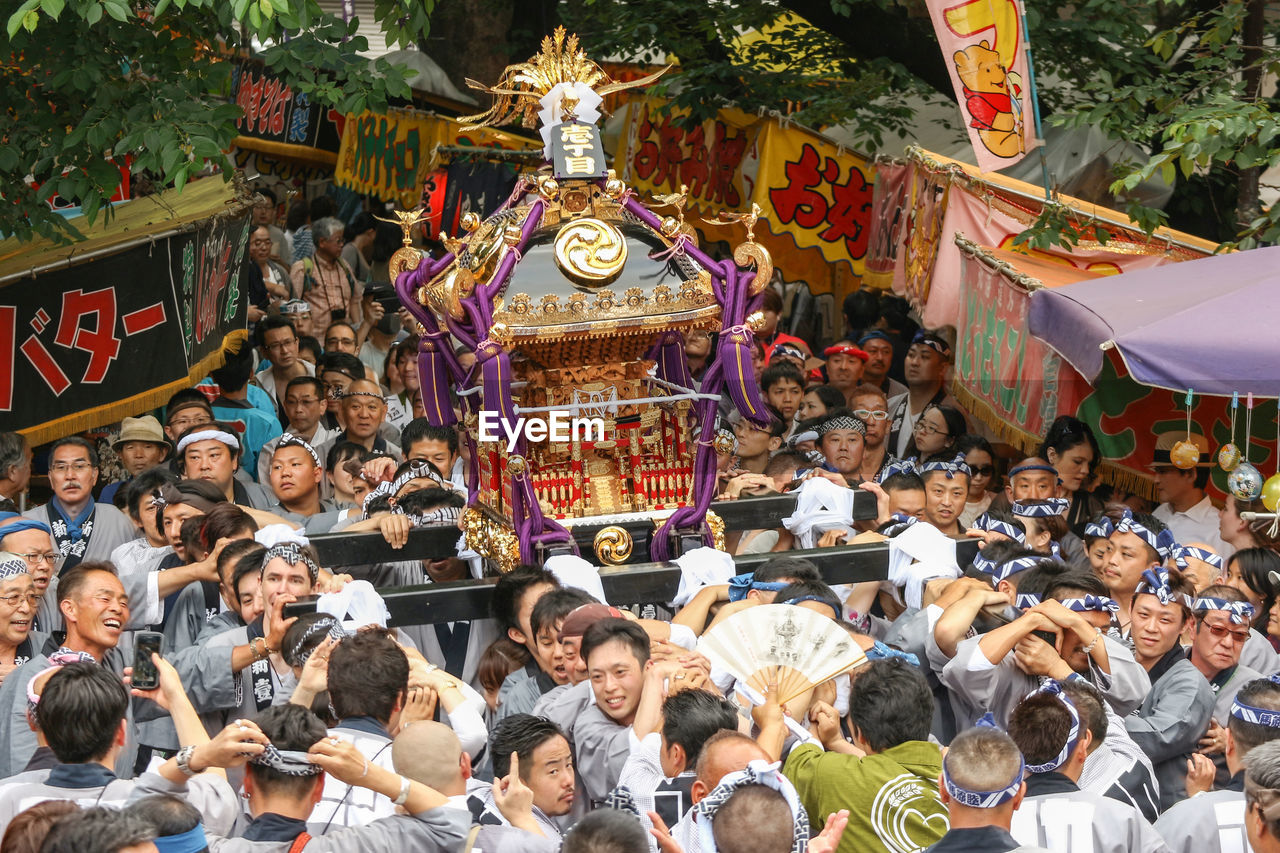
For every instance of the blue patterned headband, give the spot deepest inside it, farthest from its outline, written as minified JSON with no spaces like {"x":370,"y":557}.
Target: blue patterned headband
{"x":898,"y":466}
{"x":1054,"y":689}
{"x":740,"y":585}
{"x":1041,"y":508}
{"x":1009,"y":568}
{"x":1241,"y":612}
{"x":1257,"y":716}
{"x":955,"y":466}
{"x":1155,"y":581}
{"x":288,"y":762}
{"x":1182,"y":552}
{"x":899,"y":523}
{"x":288,"y":439}
{"x":1027,"y":600}
{"x":11,"y":565}
{"x":1004,"y":528}
{"x":984,"y":799}
{"x":1099,"y":603}
{"x":1162,"y":543}
{"x":1102,"y":528}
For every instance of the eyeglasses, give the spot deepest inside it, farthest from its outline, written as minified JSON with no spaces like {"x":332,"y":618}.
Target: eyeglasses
{"x":1220,"y":632}
{"x":180,"y":424}
{"x":63,"y":467}
{"x":928,"y":429}
{"x":871,"y":414}
{"x":984,"y":471}
{"x":16,"y":598}
{"x":280,"y":346}
{"x":39,"y":558}
{"x":304,"y":401}
{"x":330,"y":343}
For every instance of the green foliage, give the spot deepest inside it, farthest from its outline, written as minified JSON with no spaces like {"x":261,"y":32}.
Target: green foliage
{"x":807,"y":72}
{"x":1183,"y":94}
{"x":87,"y":84}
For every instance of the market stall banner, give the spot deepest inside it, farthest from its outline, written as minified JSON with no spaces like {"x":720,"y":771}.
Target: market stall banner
{"x":982,"y":46}
{"x":1011,"y":381}
{"x":389,"y":155}
{"x":934,"y":287}
{"x":90,"y":343}
{"x":274,"y":112}
{"x":888,"y":218}
{"x":1016,"y":384}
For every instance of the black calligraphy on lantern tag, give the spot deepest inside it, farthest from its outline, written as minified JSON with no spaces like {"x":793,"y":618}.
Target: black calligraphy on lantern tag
{"x":576,"y":151}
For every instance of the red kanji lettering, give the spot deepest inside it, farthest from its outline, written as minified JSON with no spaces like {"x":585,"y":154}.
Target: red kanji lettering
{"x":798,"y":202}
{"x":849,"y":212}
{"x":725,"y":159}
{"x":45,"y":365}
{"x":8,"y":337}
{"x":694,"y":171}
{"x":247,"y":99}
{"x":102,"y":344}
{"x":144,"y":319}
{"x":671,"y":154}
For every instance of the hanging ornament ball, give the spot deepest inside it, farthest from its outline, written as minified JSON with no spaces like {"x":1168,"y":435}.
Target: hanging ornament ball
{"x":1245,"y":482}
{"x":1184,"y":455}
{"x":1229,"y":457}
{"x":1271,"y":493}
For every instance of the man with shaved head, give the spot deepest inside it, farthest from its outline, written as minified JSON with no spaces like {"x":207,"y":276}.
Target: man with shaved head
{"x":725,"y":752}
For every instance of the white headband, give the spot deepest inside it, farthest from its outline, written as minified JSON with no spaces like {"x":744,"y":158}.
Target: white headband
{"x":206,"y":435}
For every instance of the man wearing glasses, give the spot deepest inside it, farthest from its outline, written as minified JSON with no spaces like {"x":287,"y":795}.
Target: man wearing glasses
{"x":871,"y":407}
{"x":82,"y":529}
{"x":1222,"y":617}
{"x":325,"y":280}
{"x":304,"y":405}
{"x":278,"y":344}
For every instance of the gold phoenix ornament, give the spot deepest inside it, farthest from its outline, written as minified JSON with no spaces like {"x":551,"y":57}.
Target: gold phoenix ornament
{"x":521,"y":86}
{"x":406,"y":257}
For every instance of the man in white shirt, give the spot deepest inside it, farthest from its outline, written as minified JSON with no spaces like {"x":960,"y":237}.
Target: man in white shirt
{"x":1186,"y":509}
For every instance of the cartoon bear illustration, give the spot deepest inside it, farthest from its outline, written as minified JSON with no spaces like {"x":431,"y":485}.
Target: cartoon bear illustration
{"x":992,"y":99}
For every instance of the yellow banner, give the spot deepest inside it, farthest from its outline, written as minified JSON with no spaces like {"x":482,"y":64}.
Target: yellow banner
{"x":816,"y":193}
{"x":815,"y":197}
{"x":387,"y":155}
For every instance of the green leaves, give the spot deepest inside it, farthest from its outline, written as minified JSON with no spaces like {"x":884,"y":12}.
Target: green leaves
{"x":90,"y":85}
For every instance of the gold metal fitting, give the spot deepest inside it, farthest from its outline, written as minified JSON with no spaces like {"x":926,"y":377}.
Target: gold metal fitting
{"x":613,"y":545}
{"x":470,"y":221}
{"x":548,"y":187}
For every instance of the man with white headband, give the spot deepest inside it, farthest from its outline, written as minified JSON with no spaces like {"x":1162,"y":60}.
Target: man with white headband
{"x":1056,"y":813}
{"x":212,"y":452}
{"x":1210,"y":821}
{"x":263,"y":678}
{"x":82,"y":529}
{"x":295,"y":473}
{"x":981,"y":786}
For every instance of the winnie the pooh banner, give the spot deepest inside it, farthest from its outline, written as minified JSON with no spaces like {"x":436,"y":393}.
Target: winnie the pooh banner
{"x":982,"y":45}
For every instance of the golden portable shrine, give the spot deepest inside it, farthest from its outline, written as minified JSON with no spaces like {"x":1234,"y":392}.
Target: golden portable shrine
{"x":576,"y":298}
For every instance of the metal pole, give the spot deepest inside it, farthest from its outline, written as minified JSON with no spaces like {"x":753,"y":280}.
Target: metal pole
{"x":1035,"y":99}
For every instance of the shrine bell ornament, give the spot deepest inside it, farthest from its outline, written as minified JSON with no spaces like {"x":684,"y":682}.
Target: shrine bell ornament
{"x":1245,"y":481}
{"x":1271,"y":493}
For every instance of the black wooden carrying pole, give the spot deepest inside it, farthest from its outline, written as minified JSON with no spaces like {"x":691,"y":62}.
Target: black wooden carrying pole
{"x":362,"y":549}
{"x":638,"y":584}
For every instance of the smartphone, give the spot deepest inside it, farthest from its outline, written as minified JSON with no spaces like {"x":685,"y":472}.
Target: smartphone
{"x":145,"y":675}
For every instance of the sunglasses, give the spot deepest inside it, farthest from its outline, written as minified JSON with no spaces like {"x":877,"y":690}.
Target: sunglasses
{"x":1219,"y":632}
{"x":984,"y":471}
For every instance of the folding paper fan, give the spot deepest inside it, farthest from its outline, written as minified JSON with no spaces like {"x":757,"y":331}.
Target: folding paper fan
{"x":800,"y":647}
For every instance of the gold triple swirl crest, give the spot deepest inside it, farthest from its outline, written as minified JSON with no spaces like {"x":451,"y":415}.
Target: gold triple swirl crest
{"x":590,"y":252}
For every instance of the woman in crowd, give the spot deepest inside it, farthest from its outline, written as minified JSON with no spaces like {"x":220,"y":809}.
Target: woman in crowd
{"x":1071,"y":448}
{"x":936,"y":433}
{"x":1241,"y":534}
{"x":981,"y":461}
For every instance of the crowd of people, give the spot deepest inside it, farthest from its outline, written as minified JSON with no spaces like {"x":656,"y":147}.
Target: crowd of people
{"x":1101,"y":676}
